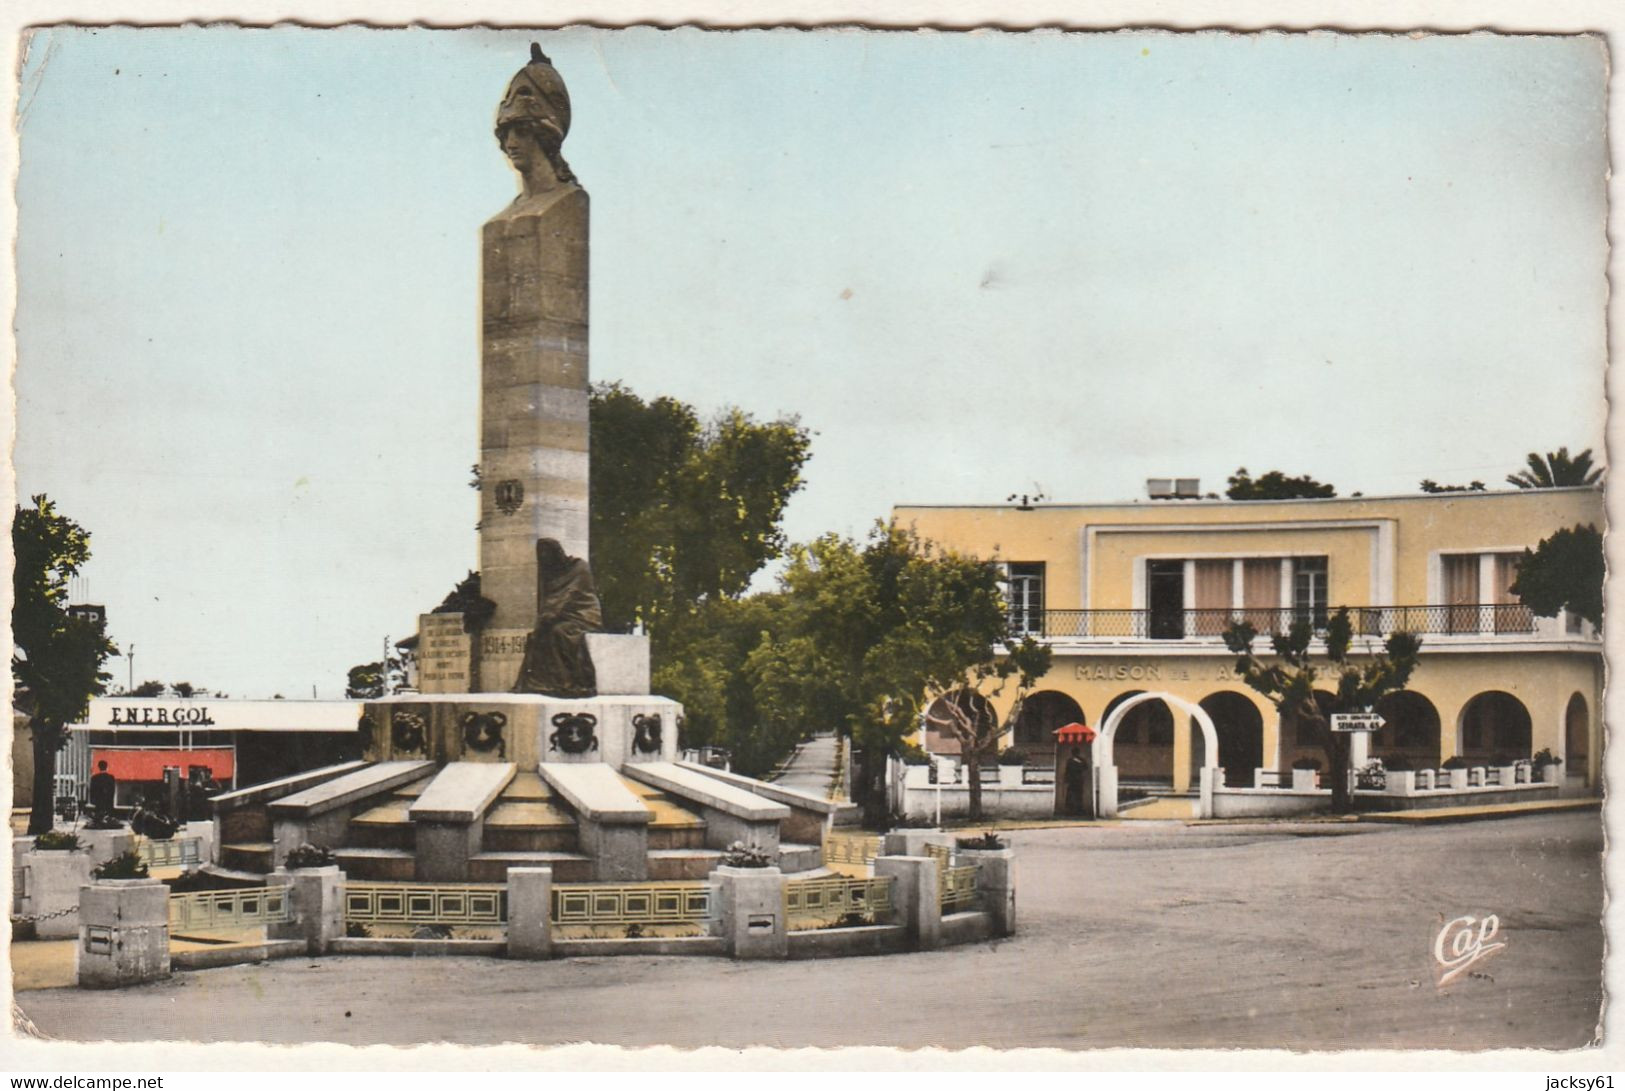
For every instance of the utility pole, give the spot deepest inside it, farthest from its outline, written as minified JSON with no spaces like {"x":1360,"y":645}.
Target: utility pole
{"x":130,"y":660}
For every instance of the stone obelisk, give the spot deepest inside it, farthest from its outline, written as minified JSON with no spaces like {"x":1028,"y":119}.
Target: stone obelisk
{"x":533,"y":367}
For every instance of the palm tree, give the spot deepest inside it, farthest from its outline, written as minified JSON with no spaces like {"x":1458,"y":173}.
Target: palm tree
{"x":1556,"y":470}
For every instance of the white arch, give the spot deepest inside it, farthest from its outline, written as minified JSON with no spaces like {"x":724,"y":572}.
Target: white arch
{"x":1106,"y":770}
{"x":1102,"y":750}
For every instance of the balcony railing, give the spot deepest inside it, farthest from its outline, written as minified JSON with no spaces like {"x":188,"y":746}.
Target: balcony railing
{"x":1493,"y":619}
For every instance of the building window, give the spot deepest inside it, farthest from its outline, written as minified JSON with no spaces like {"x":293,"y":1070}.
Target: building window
{"x":1024,"y":594}
{"x":1511,"y":616}
{"x":1309,"y":590}
{"x":1165,"y":595}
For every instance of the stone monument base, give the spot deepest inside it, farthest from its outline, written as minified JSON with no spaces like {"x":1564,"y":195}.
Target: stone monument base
{"x":447,"y":662}
{"x":526,"y":729}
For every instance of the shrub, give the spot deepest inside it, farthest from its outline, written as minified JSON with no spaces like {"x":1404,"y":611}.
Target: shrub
{"x":740,"y":854}
{"x":104,"y":822}
{"x":1307,"y":763}
{"x":846,"y":920}
{"x":308,"y":855}
{"x":192,"y":882}
{"x":913,"y":755}
{"x":1544,"y":756}
{"x":988,"y":840}
{"x":1013,"y":756}
{"x":126,"y":865}
{"x":1455,"y":762}
{"x":56,"y":841}
{"x":908,"y":822}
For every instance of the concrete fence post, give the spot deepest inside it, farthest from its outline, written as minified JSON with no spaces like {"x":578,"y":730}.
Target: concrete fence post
{"x":996,"y":886}
{"x":318,"y":906}
{"x":104,"y":845}
{"x":915,"y":896}
{"x":51,"y":881}
{"x":530,"y":912}
{"x":123,"y":932}
{"x":752,"y":912}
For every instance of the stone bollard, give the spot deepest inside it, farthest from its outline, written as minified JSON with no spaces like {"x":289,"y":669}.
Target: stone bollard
{"x":123,"y":932}
{"x":51,"y":881}
{"x":318,"y":906}
{"x":996,"y":886}
{"x":103,"y":845}
{"x":752,"y":904}
{"x":915,"y":896}
{"x":530,"y":912}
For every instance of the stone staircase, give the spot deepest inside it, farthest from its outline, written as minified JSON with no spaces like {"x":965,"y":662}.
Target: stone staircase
{"x":381,"y":839}
{"x":470,"y":822}
{"x":529,"y":826}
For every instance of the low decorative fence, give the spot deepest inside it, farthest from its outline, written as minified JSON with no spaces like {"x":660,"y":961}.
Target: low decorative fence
{"x":444,"y":904}
{"x":849,"y":849}
{"x":183,"y":852}
{"x":816,"y":903}
{"x":632,"y":904}
{"x":228,"y":910}
{"x":956,"y":888}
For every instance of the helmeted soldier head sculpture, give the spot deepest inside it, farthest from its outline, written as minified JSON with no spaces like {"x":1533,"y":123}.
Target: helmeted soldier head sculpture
{"x":531,"y":125}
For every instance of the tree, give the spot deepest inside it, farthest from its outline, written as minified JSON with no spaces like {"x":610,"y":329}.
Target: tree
{"x":1290,"y":683}
{"x":57,"y":658}
{"x":1556,"y":470}
{"x":1565,"y":572}
{"x":1429,"y":485}
{"x":683,"y":511}
{"x":973,"y":722}
{"x":867,"y":633}
{"x":369,"y":681}
{"x":466,"y":599}
{"x":1275,"y":486}
{"x":702,"y":658}
{"x":149,"y":688}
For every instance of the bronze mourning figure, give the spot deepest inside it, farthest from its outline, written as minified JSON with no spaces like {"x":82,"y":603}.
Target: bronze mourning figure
{"x":557,"y":662}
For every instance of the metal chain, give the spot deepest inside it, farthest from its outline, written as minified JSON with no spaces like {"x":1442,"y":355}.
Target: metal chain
{"x":27,"y":919}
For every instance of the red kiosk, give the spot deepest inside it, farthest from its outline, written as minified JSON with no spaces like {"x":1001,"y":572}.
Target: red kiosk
{"x":1074,"y":766}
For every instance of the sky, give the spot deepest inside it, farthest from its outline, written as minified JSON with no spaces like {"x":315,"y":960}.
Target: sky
{"x":972,"y":264}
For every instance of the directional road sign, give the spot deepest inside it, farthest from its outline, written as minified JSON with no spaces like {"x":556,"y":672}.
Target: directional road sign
{"x":1357,"y":721}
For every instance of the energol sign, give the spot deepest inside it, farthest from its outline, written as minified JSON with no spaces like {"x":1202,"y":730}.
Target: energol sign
{"x":160,"y":716}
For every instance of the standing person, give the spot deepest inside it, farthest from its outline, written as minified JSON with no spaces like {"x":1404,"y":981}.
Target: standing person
{"x":1077,"y":775}
{"x":103,"y":785}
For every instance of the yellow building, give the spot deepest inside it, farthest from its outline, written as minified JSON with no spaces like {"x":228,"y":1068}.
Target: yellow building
{"x":1133,"y":598}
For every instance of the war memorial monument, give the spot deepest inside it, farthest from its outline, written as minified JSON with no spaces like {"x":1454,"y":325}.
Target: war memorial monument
{"x":534,"y":752}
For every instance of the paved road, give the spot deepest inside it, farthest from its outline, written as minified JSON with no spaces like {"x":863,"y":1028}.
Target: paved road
{"x":1145,"y":934}
{"x":812,"y":768}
